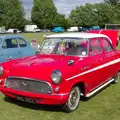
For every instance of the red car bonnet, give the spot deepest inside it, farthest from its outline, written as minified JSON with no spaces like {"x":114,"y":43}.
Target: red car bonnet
{"x":112,"y":34}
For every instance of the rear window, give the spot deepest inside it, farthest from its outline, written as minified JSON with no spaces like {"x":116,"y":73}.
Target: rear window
{"x":106,"y":45}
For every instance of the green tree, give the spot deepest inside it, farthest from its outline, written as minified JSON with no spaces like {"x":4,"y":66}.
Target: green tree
{"x":112,"y":2}
{"x":108,"y":13}
{"x":70,"y":22}
{"x":44,"y":13}
{"x":85,"y":15}
{"x":13,"y":13}
{"x":1,"y":14}
{"x":96,"y":14}
{"x":60,"y":20}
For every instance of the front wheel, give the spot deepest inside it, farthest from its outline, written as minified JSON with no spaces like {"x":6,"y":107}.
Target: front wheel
{"x":73,"y":100}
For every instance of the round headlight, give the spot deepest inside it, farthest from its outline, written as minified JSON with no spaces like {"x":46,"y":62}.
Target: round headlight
{"x":1,"y":70}
{"x":56,"y":76}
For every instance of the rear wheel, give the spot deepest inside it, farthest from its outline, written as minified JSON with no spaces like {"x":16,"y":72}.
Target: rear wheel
{"x":116,"y":78}
{"x":73,"y":100}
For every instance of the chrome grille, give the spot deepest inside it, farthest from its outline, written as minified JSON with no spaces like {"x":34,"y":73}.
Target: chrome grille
{"x":28,"y":85}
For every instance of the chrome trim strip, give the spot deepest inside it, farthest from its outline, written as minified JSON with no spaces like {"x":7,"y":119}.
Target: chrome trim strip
{"x":62,"y":94}
{"x":96,"y":68}
{"x":99,"y":88}
{"x":30,"y":79}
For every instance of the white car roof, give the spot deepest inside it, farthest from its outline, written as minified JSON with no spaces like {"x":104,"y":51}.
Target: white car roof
{"x":76,"y":35}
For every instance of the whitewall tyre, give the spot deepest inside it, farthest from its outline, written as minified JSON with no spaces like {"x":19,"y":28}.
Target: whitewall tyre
{"x":116,"y":78}
{"x":73,"y":100}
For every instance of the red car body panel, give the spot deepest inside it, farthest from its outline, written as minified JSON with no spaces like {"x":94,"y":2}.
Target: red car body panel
{"x":39,"y":98}
{"x":90,"y":71}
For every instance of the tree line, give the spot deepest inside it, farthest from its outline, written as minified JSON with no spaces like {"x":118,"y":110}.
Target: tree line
{"x":45,"y":15}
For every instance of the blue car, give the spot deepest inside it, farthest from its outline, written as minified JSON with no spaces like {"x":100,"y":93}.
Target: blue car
{"x":14,"y":46}
{"x":95,"y":28}
{"x":58,"y":29}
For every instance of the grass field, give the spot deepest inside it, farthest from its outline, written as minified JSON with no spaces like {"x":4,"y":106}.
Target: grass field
{"x":103,"y":106}
{"x":37,"y":36}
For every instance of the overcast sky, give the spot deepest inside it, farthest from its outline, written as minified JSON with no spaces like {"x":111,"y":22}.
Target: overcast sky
{"x":63,"y":6}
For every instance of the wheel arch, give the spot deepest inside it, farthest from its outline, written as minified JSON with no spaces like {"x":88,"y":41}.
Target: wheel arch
{"x":118,"y":70}
{"x":81,"y":85}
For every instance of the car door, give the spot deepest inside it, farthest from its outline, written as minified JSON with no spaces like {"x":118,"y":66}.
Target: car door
{"x":109,"y":58}
{"x":95,"y":61}
{"x":10,"y":48}
{"x":25,"y":48}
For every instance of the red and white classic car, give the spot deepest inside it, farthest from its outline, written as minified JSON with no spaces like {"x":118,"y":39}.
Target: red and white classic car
{"x":69,"y":66}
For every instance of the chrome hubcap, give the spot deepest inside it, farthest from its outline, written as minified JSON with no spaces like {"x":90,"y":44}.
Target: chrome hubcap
{"x":74,"y":98}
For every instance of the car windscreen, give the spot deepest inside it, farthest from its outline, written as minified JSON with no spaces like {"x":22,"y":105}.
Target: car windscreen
{"x":66,"y":46}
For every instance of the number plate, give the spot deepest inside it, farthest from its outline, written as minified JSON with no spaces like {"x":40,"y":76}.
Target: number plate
{"x":24,"y":99}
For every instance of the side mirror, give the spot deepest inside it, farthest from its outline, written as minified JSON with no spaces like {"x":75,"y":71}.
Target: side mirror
{"x":70,"y":62}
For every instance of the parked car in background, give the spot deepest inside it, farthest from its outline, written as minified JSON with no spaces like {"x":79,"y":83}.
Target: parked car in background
{"x":58,"y":29}
{"x":95,"y":28}
{"x":83,"y":29}
{"x":45,"y":30}
{"x":31,"y":28}
{"x":69,"y":66}
{"x":13,"y":30}
{"x":14,"y":46}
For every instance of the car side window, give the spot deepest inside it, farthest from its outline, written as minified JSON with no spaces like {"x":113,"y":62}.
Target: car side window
{"x":106,"y":45}
{"x":4,"y":45}
{"x":75,"y":47}
{"x":22,"y":42}
{"x":9,"y":43}
{"x":95,"y":47}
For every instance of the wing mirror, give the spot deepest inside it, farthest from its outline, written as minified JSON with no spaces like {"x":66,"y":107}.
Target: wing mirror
{"x":70,"y":62}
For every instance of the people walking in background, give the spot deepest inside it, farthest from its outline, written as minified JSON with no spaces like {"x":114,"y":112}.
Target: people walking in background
{"x":35,"y":45}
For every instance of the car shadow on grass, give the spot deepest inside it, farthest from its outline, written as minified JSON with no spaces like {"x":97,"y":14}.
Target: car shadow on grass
{"x":51,"y":108}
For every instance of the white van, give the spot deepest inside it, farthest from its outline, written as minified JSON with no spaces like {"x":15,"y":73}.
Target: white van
{"x":31,"y":28}
{"x":73,"y":29}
